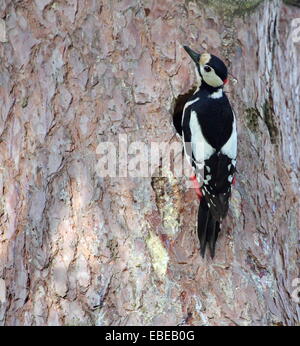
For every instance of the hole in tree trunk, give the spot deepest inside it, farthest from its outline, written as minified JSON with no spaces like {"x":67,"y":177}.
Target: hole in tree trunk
{"x":178,"y":109}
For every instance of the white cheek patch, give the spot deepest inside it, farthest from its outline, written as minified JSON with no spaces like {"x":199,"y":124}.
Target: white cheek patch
{"x":211,"y":78}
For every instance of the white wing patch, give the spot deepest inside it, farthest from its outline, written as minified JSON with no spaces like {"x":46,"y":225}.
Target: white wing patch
{"x":230,"y":147}
{"x":202,"y":150}
{"x":188,"y":157}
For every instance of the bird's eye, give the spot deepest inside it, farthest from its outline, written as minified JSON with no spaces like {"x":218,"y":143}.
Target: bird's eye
{"x":207,"y":68}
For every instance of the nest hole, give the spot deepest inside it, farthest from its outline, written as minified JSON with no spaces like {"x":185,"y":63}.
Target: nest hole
{"x":180,"y":101}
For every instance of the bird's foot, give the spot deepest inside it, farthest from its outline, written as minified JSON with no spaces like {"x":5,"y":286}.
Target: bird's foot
{"x":196,"y":186}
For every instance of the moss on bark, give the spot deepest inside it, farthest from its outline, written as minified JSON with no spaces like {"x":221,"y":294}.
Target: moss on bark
{"x":233,"y":7}
{"x":252,"y":115}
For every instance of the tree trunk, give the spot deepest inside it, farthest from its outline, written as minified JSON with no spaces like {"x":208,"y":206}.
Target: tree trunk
{"x":79,"y":249}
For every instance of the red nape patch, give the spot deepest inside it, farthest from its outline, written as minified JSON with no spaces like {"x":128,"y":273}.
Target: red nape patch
{"x":233,"y":181}
{"x":196,"y":186}
{"x":225,"y":81}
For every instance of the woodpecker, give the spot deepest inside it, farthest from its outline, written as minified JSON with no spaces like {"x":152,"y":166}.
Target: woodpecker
{"x":208,"y":130}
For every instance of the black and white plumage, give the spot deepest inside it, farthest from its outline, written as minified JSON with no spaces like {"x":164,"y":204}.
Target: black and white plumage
{"x":208,"y":130}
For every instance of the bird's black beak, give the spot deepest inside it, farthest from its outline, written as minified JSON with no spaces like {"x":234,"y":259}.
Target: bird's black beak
{"x":195,"y":56}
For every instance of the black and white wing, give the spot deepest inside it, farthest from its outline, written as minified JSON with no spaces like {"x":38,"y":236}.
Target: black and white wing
{"x":196,"y":147}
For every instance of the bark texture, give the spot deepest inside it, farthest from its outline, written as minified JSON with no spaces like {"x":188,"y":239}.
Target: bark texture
{"x":78,"y":249}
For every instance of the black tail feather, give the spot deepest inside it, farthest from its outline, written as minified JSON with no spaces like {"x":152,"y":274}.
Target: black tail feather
{"x":208,"y":229}
{"x":212,"y":236}
{"x":203,"y":218}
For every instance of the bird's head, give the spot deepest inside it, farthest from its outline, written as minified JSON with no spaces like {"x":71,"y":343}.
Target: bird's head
{"x":211,"y":69}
